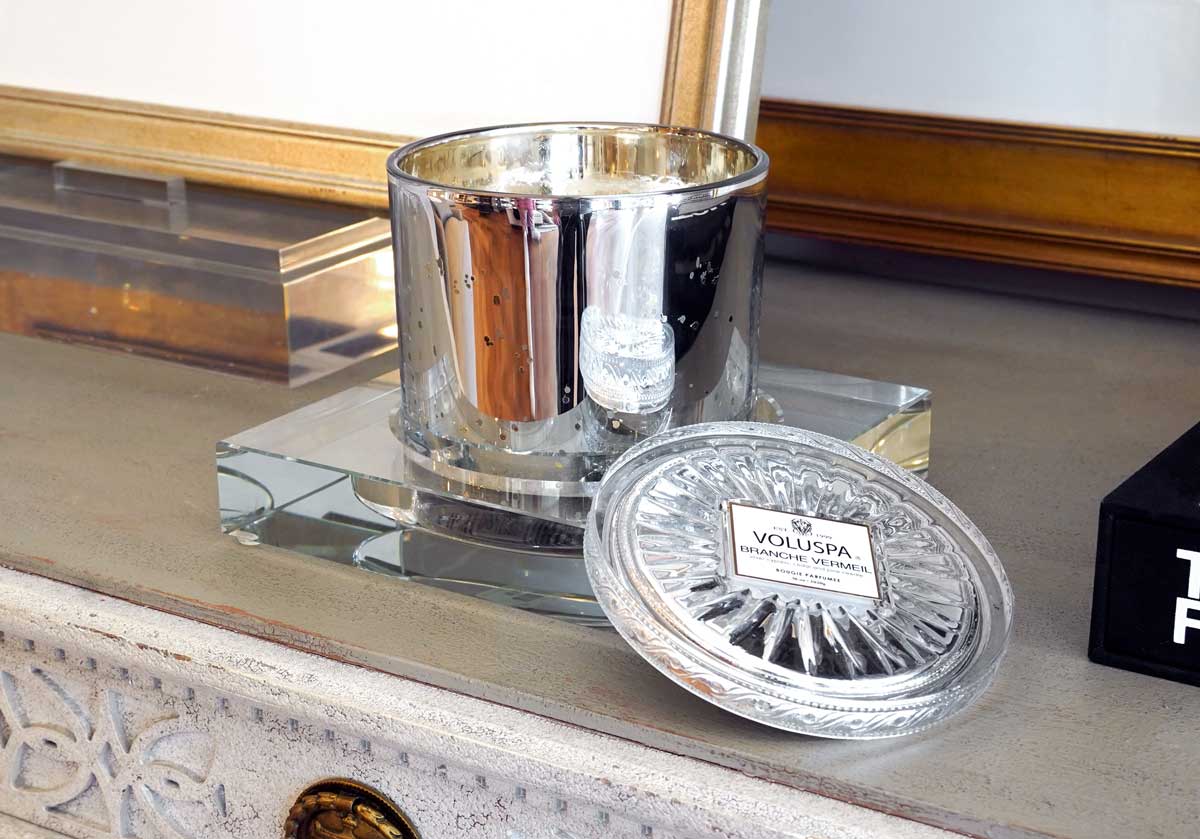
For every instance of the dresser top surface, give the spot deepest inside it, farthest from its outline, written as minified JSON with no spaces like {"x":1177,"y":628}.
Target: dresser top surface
{"x":107,"y":481}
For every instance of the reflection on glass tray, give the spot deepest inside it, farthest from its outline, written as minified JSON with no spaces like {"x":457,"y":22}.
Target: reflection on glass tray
{"x":298,"y":482}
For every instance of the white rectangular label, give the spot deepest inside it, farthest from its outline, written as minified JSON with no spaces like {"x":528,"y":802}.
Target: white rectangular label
{"x":782,"y":547}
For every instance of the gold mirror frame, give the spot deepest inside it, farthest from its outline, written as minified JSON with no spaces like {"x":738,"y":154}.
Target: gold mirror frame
{"x":714,"y":56}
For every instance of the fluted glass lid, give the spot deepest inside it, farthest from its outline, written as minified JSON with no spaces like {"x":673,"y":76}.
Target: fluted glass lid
{"x":797,"y":580}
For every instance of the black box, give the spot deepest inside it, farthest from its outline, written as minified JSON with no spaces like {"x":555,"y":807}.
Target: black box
{"x":1146,"y":603}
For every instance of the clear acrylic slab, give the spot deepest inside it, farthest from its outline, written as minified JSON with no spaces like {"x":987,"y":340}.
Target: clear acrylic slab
{"x":249,"y":284}
{"x":331,"y":480}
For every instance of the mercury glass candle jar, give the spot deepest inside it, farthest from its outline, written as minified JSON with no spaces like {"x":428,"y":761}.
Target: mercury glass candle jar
{"x":564,"y":291}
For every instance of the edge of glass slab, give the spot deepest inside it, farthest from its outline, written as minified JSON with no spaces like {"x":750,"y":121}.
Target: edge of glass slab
{"x":330,"y":480}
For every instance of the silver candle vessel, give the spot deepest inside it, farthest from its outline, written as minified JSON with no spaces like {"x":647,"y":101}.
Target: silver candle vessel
{"x":564,"y":291}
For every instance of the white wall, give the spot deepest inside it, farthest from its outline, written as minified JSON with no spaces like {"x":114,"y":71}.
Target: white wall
{"x":397,"y":66}
{"x":1121,"y":64}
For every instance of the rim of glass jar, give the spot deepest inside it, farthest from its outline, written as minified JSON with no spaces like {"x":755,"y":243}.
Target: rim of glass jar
{"x":751,"y":176}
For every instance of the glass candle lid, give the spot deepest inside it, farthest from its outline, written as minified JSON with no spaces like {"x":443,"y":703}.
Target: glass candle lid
{"x":797,"y":580}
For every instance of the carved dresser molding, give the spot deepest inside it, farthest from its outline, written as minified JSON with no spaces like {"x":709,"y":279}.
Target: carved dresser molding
{"x":116,"y":720}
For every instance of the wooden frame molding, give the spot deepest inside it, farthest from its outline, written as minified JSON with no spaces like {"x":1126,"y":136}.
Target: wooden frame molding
{"x":1122,"y":205}
{"x":266,"y":155}
{"x":329,"y":164}
{"x":714,"y":65}
{"x":693,"y":62}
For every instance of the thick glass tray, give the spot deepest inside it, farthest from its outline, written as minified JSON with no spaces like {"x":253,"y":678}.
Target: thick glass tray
{"x":298,"y":482}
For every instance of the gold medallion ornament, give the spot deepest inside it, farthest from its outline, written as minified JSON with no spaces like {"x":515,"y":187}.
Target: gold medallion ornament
{"x":341,"y":809}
